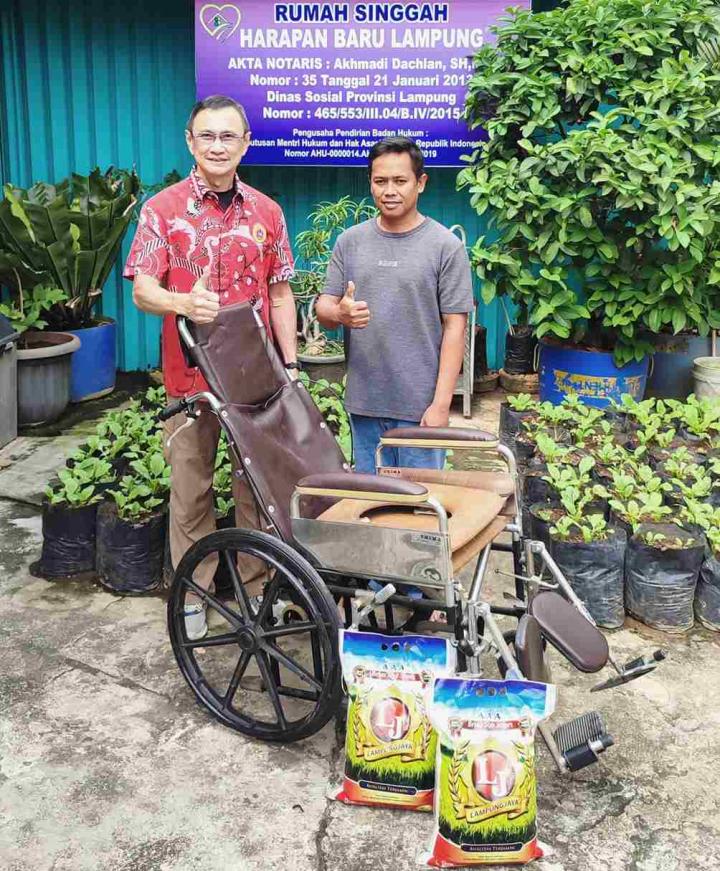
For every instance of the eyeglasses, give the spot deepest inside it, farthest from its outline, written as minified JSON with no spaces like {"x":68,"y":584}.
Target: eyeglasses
{"x":227,"y":139}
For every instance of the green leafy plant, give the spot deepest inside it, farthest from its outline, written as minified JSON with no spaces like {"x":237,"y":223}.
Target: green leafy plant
{"x":138,"y":496}
{"x":663,"y":540}
{"x":26,"y":312}
{"x":522,"y":402}
{"x":642,"y":508}
{"x":314,"y":245}
{"x":330,"y":400}
{"x":599,"y":173}
{"x":65,"y":236}
{"x":592,"y":527}
{"x":78,"y":486}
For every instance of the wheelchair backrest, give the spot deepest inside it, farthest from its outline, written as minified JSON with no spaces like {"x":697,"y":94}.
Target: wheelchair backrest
{"x":273,"y":426}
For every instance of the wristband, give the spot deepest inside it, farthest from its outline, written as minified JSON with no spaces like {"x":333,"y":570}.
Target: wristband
{"x":293,"y":365}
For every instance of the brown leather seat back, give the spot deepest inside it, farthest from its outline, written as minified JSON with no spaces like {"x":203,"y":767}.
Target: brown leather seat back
{"x":272,"y":422}
{"x":284,"y":440}
{"x":238,"y":360}
{"x":567,"y":630}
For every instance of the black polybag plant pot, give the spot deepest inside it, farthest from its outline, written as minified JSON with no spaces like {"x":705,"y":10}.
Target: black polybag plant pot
{"x":595,"y":571}
{"x":660,"y":584}
{"x":510,"y":421}
{"x":539,"y":527}
{"x":520,"y":353}
{"x":707,"y":594}
{"x":536,"y":489}
{"x":68,"y":547}
{"x":129,"y":554}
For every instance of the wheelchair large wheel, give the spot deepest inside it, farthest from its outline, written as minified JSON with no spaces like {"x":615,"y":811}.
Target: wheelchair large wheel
{"x":268,"y":667}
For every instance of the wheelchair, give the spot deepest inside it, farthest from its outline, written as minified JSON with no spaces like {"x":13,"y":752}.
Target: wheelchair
{"x":383,"y":550}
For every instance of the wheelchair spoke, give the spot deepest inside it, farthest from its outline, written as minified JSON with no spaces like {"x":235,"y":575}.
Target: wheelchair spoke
{"x":291,"y":665}
{"x":235,"y":620}
{"x":240,"y":592}
{"x":268,"y":600}
{"x":212,"y":641}
{"x":271,"y":687}
{"x":290,"y":629}
{"x":240,"y":670}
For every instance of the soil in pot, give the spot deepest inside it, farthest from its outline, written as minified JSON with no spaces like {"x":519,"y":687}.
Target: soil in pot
{"x":68,"y":548}
{"x":596,"y":572}
{"x":707,"y":593}
{"x":130,"y":553}
{"x":661,"y":577}
{"x":544,"y":515}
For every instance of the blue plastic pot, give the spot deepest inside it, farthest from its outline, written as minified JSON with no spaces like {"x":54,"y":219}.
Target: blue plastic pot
{"x":93,"y":366}
{"x":590,"y":375}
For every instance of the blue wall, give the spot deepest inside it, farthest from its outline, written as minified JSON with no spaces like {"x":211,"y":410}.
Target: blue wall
{"x":90,"y":83}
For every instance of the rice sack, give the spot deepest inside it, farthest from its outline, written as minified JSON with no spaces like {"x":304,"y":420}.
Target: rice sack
{"x":390,"y":747}
{"x":486,"y":801}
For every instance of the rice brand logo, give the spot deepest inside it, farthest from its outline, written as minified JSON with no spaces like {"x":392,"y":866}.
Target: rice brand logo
{"x":220,"y":22}
{"x":493,"y":775}
{"x":392,"y":264}
{"x":390,"y":719}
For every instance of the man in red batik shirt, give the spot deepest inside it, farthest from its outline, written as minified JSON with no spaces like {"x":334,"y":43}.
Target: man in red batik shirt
{"x":203,"y":243}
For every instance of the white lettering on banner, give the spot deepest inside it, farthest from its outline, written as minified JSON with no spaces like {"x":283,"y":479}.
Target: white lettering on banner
{"x":292,"y":38}
{"x":367,"y":13}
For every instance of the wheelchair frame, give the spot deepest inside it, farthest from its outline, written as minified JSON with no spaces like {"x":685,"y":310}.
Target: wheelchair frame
{"x":424,"y":560}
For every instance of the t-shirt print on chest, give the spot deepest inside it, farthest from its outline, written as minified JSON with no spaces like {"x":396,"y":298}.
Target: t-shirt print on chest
{"x":388,"y":264}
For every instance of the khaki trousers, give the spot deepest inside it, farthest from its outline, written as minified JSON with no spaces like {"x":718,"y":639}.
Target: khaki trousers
{"x":191,"y":455}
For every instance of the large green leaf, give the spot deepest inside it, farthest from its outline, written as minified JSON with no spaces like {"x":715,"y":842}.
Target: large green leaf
{"x":49,"y":222}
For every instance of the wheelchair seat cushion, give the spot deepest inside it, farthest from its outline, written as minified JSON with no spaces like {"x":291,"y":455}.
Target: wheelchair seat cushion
{"x":571,"y":633}
{"x":474,"y":517}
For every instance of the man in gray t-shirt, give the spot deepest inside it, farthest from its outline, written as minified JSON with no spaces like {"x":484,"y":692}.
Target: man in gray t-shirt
{"x":400,"y":285}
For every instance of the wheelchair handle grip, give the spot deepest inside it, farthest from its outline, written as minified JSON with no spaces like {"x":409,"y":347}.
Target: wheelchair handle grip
{"x":173,"y":409}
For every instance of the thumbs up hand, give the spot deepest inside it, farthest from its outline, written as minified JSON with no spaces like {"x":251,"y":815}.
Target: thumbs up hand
{"x":202,"y":304}
{"x":355,"y":315}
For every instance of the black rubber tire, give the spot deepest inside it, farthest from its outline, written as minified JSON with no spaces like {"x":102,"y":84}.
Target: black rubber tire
{"x":294,"y":578}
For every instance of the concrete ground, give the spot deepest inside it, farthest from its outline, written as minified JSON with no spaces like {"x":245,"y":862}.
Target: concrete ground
{"x":106,"y":762}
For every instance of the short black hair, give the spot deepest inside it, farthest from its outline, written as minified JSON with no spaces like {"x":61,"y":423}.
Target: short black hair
{"x":398,"y":145}
{"x":217,"y":101}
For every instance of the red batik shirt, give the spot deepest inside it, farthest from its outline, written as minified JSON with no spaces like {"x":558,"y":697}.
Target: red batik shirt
{"x":182,"y":230}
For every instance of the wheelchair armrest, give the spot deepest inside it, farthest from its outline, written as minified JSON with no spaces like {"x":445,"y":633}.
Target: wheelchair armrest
{"x":351,"y":485}
{"x":438,"y":437}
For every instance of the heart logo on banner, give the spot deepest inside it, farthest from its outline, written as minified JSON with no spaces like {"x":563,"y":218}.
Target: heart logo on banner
{"x":220,"y":22}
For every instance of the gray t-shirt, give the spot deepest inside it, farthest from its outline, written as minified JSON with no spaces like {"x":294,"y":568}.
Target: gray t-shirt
{"x":408,"y":281}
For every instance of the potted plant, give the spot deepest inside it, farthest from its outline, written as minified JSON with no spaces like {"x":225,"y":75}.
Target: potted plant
{"x":605,"y":218}
{"x":591,"y":555}
{"x":513,"y":411}
{"x":8,"y":380}
{"x":67,"y":237}
{"x":69,"y":520}
{"x":662,"y":566}
{"x":707,"y":592}
{"x":131,"y":528}
{"x":316,"y":349}
{"x":44,"y":357}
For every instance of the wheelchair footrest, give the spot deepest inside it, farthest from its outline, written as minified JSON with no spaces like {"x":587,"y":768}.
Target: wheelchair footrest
{"x":581,"y":740}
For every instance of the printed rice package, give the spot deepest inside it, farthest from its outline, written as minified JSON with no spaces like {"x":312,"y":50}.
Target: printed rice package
{"x":485,"y":802}
{"x":390,"y":747}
